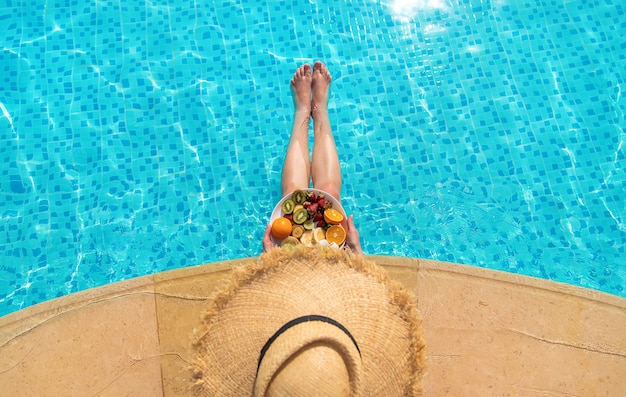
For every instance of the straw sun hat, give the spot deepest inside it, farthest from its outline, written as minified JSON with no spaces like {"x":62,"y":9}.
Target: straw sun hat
{"x":310,"y":322}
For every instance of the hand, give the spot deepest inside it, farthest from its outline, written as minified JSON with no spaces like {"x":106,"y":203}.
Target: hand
{"x":353,"y":239}
{"x":267,"y":240}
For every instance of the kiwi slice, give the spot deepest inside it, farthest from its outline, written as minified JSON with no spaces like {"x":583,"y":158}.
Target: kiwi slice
{"x":298,"y":196}
{"x":301,"y":216}
{"x":308,"y":225}
{"x":288,"y":206}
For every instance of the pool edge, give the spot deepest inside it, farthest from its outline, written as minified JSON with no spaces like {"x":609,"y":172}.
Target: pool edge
{"x":476,"y":321}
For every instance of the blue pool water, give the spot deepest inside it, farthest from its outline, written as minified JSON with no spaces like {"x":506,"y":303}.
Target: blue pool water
{"x":138,"y":137}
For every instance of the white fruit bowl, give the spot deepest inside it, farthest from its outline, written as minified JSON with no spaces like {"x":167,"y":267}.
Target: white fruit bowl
{"x":278,"y":209}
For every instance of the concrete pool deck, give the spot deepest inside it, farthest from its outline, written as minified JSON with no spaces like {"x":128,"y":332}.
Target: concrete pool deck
{"x":488,"y":333}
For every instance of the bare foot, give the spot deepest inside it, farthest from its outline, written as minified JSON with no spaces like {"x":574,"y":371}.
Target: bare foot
{"x":301,"y":88}
{"x":320,"y":86}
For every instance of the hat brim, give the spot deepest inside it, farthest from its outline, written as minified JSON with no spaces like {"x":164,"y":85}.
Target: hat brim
{"x":287,"y":284}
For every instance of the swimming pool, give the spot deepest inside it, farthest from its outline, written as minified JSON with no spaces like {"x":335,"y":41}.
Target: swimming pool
{"x":142,"y":137}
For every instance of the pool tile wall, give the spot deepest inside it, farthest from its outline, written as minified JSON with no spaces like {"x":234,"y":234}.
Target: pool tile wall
{"x":141,"y":137}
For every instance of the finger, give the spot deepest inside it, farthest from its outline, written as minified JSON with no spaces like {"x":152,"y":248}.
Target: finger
{"x":267,"y":240}
{"x":346,"y":222}
{"x":268,"y":232}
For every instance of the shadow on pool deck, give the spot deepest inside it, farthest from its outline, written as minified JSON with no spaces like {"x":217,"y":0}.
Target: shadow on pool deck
{"x":488,"y":334}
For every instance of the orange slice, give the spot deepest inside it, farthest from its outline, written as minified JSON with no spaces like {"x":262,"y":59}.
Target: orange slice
{"x":336,"y":234}
{"x":333,"y":216}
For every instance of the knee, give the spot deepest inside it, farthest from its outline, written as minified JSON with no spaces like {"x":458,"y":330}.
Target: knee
{"x":332,"y":188}
{"x":290,"y":187}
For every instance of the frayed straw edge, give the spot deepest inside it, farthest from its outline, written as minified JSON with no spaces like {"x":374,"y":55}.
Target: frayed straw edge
{"x":399,"y":297}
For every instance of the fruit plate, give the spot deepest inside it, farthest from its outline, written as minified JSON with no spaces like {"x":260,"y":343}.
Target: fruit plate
{"x":278,"y":211}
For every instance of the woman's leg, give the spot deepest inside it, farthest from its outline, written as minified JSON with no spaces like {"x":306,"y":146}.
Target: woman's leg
{"x":297,"y":166}
{"x":325,"y":168}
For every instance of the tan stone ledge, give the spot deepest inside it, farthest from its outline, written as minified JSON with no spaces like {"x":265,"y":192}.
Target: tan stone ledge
{"x":489,"y":333}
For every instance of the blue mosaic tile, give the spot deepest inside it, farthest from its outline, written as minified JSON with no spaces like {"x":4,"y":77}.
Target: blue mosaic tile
{"x":136,"y":139}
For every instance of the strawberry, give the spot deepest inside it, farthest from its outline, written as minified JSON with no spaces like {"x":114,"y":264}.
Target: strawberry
{"x":313,"y":208}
